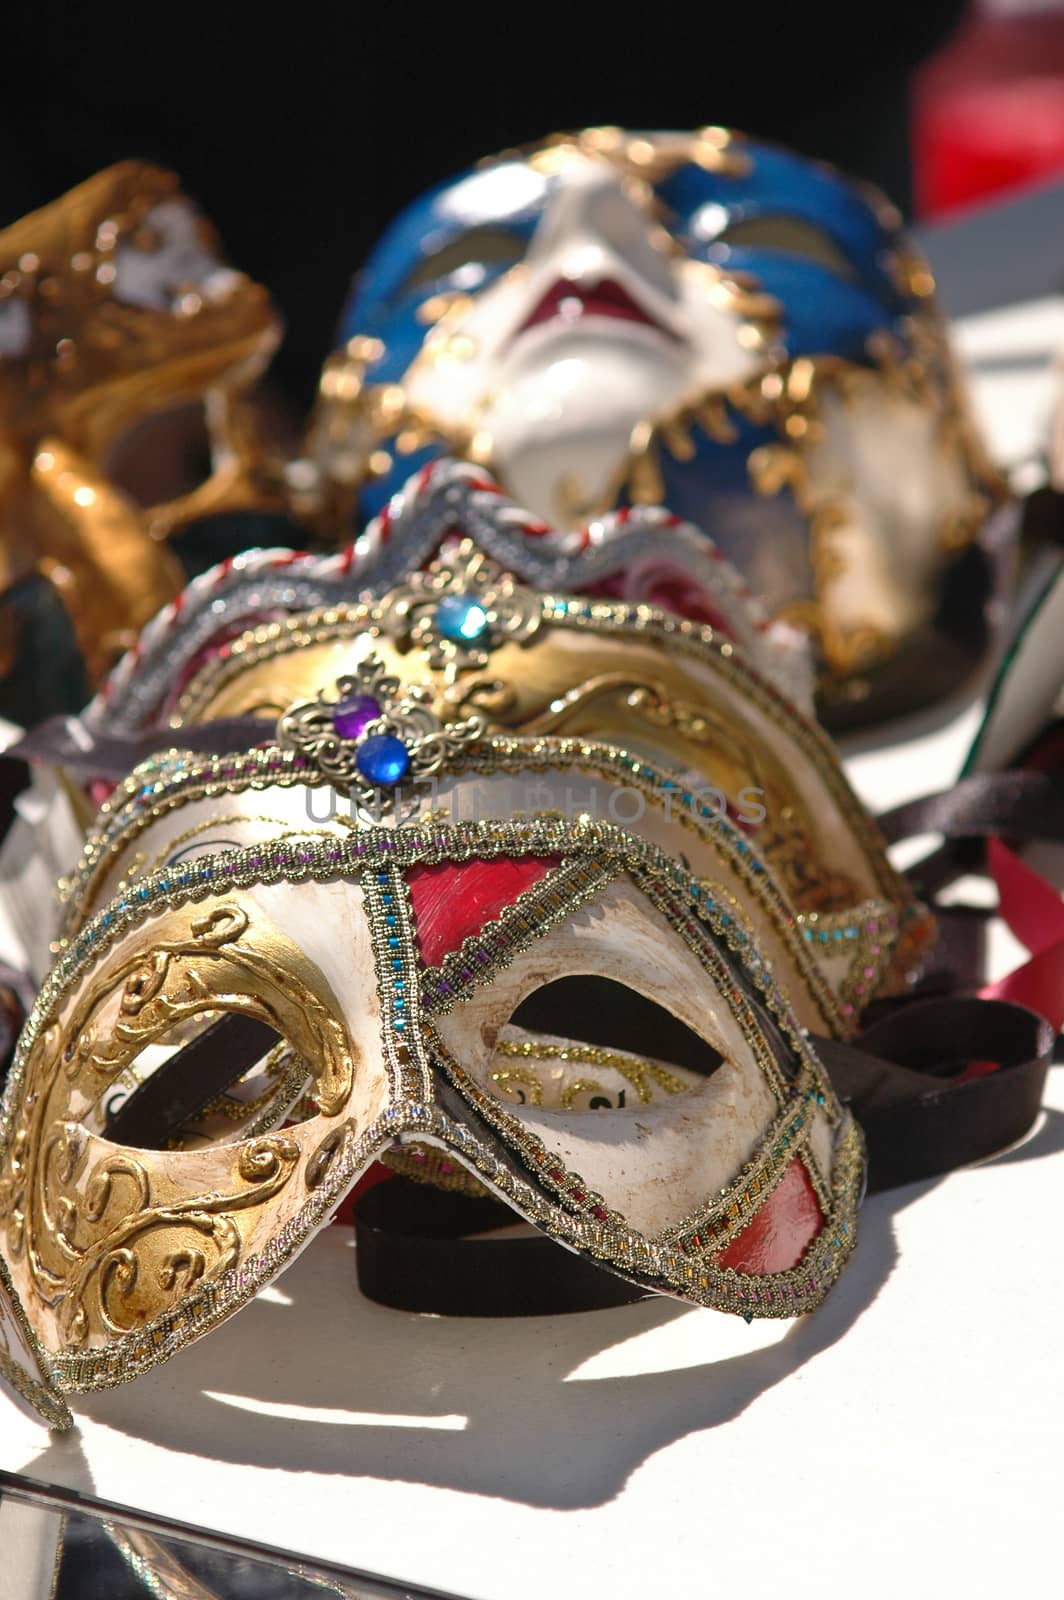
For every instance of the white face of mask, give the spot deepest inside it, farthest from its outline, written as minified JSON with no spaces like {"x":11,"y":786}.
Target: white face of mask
{"x":603,"y":329}
{"x":171,"y":268}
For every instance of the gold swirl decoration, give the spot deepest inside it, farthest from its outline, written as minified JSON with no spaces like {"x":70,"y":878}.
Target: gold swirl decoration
{"x":105,"y":1237}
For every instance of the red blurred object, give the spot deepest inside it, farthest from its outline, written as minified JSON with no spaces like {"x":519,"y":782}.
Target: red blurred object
{"x":988,"y":111}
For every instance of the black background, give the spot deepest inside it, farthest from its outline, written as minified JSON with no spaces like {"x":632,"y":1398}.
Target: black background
{"x":303,"y":129}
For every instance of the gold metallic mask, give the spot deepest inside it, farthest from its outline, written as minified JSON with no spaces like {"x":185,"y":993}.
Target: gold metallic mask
{"x":92,"y":369}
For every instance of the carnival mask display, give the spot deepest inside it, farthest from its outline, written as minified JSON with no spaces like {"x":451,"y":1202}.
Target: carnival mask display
{"x":499,"y":845}
{"x":615,"y":319}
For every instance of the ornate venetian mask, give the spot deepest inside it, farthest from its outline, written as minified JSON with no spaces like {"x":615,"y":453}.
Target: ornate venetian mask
{"x":643,"y":557}
{"x":224,"y":1048}
{"x":118,"y":318}
{"x":590,"y":696}
{"x":692,"y":320}
{"x":679,"y":727}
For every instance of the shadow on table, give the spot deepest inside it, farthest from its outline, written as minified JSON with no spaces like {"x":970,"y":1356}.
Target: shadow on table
{"x":898,"y":732}
{"x":481,"y":1407}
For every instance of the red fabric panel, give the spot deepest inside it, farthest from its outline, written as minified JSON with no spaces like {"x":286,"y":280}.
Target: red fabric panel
{"x":453,"y":900}
{"x":781,"y":1232}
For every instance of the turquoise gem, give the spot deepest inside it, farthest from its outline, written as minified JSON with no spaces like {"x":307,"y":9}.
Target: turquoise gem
{"x":460,"y":618}
{"x":384,"y":760}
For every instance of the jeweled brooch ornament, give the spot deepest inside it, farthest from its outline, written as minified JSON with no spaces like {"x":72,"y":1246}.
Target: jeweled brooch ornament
{"x":459,"y":609}
{"x":375,"y":735}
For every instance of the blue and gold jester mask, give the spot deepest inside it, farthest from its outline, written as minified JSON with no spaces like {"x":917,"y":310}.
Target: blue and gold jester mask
{"x":700,"y":321}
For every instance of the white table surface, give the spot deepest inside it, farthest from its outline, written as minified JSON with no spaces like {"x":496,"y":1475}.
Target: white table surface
{"x":903,"y":1440}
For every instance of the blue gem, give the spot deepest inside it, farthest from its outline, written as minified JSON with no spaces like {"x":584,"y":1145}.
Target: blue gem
{"x":384,"y":760}
{"x":460,"y":618}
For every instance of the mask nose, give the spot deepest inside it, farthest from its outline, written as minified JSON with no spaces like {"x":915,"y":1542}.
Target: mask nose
{"x":592,"y":224}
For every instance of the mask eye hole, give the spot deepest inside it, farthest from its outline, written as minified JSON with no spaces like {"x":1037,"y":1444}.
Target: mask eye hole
{"x":163,"y":456}
{"x":480,"y":247}
{"x":791,"y":234}
{"x":213,"y":1079}
{"x":590,"y":1043}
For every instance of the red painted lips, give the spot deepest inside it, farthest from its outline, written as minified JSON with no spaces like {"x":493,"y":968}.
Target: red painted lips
{"x":567,"y":301}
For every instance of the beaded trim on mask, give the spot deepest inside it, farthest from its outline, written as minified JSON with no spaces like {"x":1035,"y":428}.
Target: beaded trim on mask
{"x":874,"y":932}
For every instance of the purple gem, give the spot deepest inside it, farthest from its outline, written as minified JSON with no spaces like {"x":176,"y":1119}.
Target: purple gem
{"x":353,"y":716}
